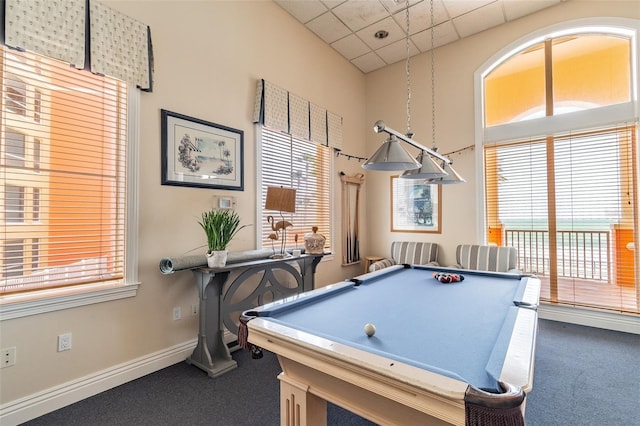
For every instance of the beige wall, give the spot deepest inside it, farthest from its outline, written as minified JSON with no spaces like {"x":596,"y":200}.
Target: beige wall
{"x":208,"y":55}
{"x":455,"y":65}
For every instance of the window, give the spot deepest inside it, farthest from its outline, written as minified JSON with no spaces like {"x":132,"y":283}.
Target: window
{"x":14,"y":204}
{"x":13,"y":258}
{"x":15,"y":94}
{"x":15,"y":148}
{"x":566,"y":199}
{"x":36,"y":154}
{"x":72,"y":162}
{"x":35,"y":212}
{"x":37,"y":105}
{"x":305,"y":166}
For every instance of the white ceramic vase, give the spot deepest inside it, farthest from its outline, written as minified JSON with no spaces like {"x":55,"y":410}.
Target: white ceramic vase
{"x":217,"y":259}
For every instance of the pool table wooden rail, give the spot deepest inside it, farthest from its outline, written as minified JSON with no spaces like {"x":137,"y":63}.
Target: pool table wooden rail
{"x":316,"y":370}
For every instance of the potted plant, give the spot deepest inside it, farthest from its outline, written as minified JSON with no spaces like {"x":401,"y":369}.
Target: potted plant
{"x":220,"y":226}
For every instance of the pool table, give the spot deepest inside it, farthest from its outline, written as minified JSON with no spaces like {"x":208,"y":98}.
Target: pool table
{"x":454,"y":353}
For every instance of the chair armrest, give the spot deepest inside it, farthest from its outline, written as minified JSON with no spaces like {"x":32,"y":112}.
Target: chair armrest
{"x":381,"y":264}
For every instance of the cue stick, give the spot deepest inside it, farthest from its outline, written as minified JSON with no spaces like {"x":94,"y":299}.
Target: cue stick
{"x":348,"y":223}
{"x":344,"y":221}
{"x":356,"y":248}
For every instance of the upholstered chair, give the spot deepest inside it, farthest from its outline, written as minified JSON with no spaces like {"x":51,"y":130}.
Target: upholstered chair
{"x":409,"y":252}
{"x":487,"y":258}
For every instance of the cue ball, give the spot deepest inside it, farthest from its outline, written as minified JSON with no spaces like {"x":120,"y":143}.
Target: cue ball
{"x":369,"y":329}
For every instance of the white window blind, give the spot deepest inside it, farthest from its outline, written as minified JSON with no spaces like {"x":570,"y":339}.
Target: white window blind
{"x":62,"y":175}
{"x":305,"y":166}
{"x":569,"y":206}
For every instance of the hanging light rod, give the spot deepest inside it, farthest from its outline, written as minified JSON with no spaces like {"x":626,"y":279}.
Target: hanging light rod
{"x":379,"y":126}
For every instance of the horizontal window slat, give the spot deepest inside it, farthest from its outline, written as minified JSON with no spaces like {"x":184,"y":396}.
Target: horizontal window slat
{"x":64,"y":223}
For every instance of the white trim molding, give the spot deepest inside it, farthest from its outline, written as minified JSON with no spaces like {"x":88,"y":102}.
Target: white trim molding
{"x":38,"y":404}
{"x":628,"y":323}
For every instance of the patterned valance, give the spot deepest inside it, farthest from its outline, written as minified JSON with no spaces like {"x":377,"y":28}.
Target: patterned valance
{"x":55,"y":28}
{"x":119,"y":46}
{"x":282,"y":110}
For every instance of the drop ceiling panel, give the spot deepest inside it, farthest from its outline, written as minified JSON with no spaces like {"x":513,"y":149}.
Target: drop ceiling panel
{"x":328,"y":27}
{"x":359,"y":14}
{"x":349,"y":25}
{"x":389,"y":25}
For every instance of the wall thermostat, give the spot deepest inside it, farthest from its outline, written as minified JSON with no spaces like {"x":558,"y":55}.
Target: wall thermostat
{"x":220,"y":202}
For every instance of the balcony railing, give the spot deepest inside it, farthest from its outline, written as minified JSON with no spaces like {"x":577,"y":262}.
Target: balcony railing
{"x":580,"y":254}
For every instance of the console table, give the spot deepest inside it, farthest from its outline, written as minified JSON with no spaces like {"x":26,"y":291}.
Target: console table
{"x":219,"y":307}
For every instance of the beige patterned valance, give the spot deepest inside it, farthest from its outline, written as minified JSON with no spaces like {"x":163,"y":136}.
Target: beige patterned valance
{"x":299,"y":116}
{"x":318,"y":124}
{"x":287,"y":112}
{"x":119,"y":46}
{"x":55,"y":28}
{"x":334,"y":130}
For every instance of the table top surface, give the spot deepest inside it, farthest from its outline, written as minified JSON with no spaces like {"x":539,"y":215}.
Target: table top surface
{"x":461,"y":330}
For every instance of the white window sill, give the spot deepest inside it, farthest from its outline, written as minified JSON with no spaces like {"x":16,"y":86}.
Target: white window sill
{"x":22,"y":305}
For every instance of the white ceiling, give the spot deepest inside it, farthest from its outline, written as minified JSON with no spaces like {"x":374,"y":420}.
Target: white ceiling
{"x":349,"y":26}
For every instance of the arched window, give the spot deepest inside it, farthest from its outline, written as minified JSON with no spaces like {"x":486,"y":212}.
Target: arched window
{"x":557,"y":121}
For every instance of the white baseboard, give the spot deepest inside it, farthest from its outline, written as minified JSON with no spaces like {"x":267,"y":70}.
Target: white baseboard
{"x":628,"y":323}
{"x":38,"y":404}
{"x":41,"y":403}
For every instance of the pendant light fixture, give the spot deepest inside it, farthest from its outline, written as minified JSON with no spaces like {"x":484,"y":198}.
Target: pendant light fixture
{"x":391,"y":156}
{"x":450,"y":176}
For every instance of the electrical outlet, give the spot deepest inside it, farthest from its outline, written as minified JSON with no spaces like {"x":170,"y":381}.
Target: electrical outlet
{"x":64,"y":342}
{"x":177,"y":313}
{"x":8,"y":357}
{"x":194,"y":309}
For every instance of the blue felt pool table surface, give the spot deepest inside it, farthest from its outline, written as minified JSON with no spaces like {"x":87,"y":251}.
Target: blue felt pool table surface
{"x":460,"y":329}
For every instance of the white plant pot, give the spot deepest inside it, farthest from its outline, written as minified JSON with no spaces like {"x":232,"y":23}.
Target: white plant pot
{"x":217,"y":259}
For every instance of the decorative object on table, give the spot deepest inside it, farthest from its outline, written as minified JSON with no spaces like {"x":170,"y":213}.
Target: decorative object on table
{"x":314,"y":242}
{"x":282,"y":200}
{"x":172,"y":264}
{"x":447,"y":277}
{"x":220,"y":226}
{"x":415,"y":206}
{"x":350,"y":221}
{"x":201,"y":154}
{"x":391,"y":156}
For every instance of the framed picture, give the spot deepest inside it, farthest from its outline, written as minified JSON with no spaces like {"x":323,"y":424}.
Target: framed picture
{"x":415,"y":206}
{"x":201,"y":154}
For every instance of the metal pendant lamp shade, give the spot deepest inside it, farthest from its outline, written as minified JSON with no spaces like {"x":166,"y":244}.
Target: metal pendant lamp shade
{"x":391,"y":156}
{"x":452,"y":177}
{"x":429,"y":169}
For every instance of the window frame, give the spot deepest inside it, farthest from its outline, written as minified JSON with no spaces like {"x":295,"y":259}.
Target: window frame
{"x":557,"y":124}
{"x":260,"y":207}
{"x":48,"y":300}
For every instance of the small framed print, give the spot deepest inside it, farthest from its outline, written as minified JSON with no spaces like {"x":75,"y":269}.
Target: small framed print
{"x":415,"y":206}
{"x":201,"y":154}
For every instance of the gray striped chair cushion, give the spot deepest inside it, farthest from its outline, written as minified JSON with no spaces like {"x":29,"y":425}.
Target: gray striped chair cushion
{"x":413,"y":253}
{"x":381,"y":264}
{"x":486,"y":258}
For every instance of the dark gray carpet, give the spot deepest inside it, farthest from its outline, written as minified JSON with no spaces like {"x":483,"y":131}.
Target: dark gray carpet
{"x":584,"y":376}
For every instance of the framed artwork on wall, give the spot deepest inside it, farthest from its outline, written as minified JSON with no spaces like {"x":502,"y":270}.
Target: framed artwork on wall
{"x":201,"y":154}
{"x":415,"y":206}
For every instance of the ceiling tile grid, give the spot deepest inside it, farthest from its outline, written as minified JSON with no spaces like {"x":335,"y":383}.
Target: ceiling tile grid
{"x":350,"y":26}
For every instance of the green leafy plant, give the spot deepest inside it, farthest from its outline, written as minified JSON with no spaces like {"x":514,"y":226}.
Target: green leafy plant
{"x":220,"y":226}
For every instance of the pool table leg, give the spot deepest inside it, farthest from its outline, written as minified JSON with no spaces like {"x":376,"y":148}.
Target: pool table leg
{"x":298,"y":407}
